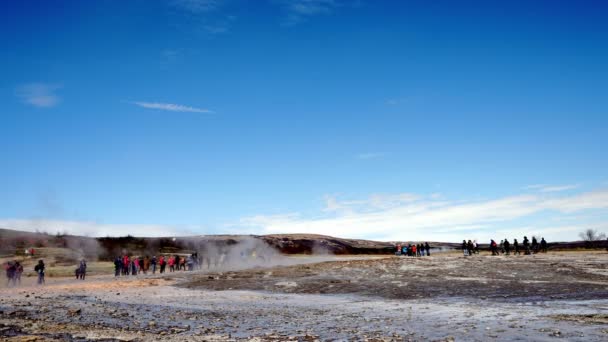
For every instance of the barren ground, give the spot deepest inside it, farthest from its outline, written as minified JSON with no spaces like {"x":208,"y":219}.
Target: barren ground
{"x":561,"y":295}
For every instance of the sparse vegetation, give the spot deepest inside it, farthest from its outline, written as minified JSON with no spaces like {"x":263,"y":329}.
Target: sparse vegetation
{"x":591,"y":237}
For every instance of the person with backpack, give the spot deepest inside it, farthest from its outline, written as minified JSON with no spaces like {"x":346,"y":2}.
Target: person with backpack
{"x":507,"y":246}
{"x":428,"y":249}
{"x":39,"y":269}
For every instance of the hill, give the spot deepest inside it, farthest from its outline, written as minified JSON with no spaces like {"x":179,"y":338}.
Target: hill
{"x":13,"y":242}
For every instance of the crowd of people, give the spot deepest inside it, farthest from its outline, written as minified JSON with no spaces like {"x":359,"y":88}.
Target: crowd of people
{"x":415,"y":250}
{"x":506,"y":247}
{"x":135,"y":265}
{"x":471,"y":247}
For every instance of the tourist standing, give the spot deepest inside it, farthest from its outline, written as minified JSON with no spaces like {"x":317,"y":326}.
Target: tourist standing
{"x":40,"y":270}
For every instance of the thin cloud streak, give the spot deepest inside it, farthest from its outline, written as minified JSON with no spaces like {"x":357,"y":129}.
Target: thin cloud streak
{"x":39,"y":95}
{"x":170,"y":107}
{"x":552,"y":188}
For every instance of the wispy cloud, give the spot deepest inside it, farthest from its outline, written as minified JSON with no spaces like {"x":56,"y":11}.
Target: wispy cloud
{"x":395,"y":101}
{"x":40,"y":95}
{"x":90,"y":228}
{"x":197,"y":6}
{"x":205,"y":15}
{"x":300,"y":10}
{"x":552,"y":188}
{"x":371,"y":155}
{"x":411,"y":217}
{"x":172,"y":107}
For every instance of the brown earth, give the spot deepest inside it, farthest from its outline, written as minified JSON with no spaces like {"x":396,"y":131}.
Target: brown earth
{"x":561,"y":275}
{"x":445,"y":297}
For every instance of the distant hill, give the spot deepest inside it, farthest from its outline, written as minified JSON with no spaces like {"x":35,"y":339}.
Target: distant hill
{"x":12,"y":241}
{"x":106,"y":248}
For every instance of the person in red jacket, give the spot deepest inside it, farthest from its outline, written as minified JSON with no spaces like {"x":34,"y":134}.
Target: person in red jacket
{"x":171,"y":264}
{"x":125,"y":265}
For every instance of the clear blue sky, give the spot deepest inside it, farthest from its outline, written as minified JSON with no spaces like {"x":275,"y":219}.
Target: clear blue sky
{"x":262,"y":116}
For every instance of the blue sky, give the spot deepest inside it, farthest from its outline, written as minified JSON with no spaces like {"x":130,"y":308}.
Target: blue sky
{"x":392,"y":120}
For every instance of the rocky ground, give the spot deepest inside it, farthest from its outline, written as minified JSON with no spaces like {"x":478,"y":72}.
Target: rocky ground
{"x":444,"y":297}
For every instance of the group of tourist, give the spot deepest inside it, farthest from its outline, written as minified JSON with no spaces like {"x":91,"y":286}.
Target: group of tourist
{"x":13,"y":269}
{"x":505,"y":247}
{"x":470,"y":247}
{"x":135,"y":265}
{"x":415,"y":250}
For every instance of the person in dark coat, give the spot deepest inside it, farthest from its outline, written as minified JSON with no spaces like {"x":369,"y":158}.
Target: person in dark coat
{"x":10,"y":273}
{"x":428,"y":249}
{"x":18,"y":273}
{"x":117,"y":266}
{"x":153,"y":263}
{"x":534,"y":245}
{"x":40,"y":270}
{"x":82,"y":270}
{"x":526,"y":246}
{"x":465,"y":248}
{"x":543,"y":245}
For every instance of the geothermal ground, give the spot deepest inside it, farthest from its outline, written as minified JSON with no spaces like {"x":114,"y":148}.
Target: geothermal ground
{"x":559,"y":295}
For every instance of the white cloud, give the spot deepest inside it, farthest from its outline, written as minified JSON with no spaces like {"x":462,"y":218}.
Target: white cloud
{"x":429,"y":218}
{"x":374,"y":202}
{"x":40,"y":95}
{"x":94,"y":229}
{"x":171,"y":107}
{"x":552,"y":188}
